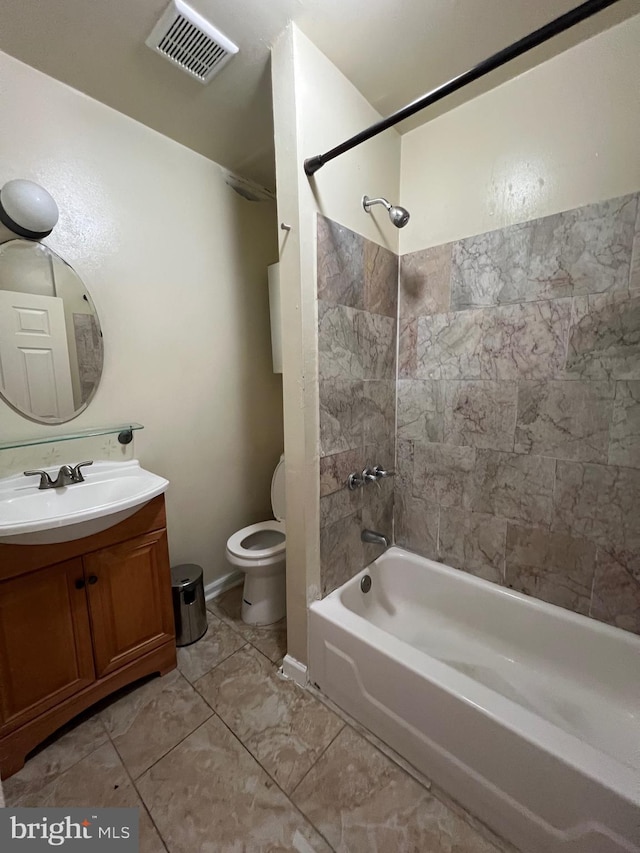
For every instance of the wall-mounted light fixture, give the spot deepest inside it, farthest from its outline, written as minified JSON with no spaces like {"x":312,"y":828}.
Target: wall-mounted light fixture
{"x":27,"y":209}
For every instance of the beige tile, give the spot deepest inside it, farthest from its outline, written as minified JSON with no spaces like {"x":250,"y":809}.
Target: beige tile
{"x":282,"y":726}
{"x":209,"y":795}
{"x":373,"y":739}
{"x":500,"y":843}
{"x":99,"y":780}
{"x":147,"y":722}
{"x":425,"y":282}
{"x":473,"y":541}
{"x":70,"y":745}
{"x":218,"y":643}
{"x":624,"y":434}
{"x":335,"y":469}
{"x":380,"y":279}
{"x":616,"y":594}
{"x":360,"y":801}
{"x":553,"y":567}
{"x":271,"y":640}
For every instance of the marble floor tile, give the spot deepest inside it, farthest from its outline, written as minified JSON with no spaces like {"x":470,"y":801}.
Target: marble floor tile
{"x":280,"y":724}
{"x":57,"y":754}
{"x":209,"y":795}
{"x":218,"y":643}
{"x":360,"y":801}
{"x":367,"y":735}
{"x":271,"y":640}
{"x":148,"y":721}
{"x":99,"y":780}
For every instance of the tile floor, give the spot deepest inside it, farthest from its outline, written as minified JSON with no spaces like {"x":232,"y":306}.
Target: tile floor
{"x":223,"y":754}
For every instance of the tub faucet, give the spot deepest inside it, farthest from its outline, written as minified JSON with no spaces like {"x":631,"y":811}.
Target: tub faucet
{"x":374,"y":538}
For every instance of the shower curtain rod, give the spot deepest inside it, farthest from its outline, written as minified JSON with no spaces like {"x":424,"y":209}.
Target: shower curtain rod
{"x":553,"y":28}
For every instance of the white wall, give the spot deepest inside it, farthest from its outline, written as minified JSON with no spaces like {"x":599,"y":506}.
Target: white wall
{"x":176,"y":263}
{"x":562,"y":135}
{"x":315,"y":108}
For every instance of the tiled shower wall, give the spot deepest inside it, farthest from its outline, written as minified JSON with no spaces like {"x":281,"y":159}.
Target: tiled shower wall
{"x":518,"y":442}
{"x":518,"y":405}
{"x":357,"y":311}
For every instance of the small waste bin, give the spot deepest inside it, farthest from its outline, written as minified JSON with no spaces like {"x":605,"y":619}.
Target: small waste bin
{"x":187,"y":591}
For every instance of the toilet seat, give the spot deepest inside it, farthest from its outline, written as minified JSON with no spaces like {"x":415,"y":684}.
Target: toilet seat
{"x":235,"y":546}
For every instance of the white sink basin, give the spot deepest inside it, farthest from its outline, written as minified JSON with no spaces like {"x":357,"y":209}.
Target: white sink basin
{"x":112,"y":491}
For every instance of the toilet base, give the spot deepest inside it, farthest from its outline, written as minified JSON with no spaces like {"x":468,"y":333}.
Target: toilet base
{"x":264,"y":598}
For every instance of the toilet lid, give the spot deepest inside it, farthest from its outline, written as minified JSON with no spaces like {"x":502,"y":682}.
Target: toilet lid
{"x":278,"y":494}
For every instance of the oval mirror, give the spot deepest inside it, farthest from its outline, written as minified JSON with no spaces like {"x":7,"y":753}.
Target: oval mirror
{"x":50,"y":340}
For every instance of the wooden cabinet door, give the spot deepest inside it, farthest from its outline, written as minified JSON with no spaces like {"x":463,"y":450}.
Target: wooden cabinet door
{"x":45,"y":641}
{"x":129,"y":593}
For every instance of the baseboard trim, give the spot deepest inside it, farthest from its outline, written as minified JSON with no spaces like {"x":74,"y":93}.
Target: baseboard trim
{"x":296,"y":671}
{"x":222,"y":584}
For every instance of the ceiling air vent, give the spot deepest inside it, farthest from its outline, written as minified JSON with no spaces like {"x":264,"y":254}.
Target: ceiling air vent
{"x":191,"y":42}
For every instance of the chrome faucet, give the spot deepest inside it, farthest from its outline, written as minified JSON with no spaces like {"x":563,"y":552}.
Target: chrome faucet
{"x":67,"y":475}
{"x":374,"y":538}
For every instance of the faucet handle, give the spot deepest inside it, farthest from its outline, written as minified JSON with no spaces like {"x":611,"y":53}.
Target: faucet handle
{"x":379,"y":472}
{"x":76,"y":473}
{"x":354,"y":481}
{"x":45,"y":480}
{"x":369,"y":475}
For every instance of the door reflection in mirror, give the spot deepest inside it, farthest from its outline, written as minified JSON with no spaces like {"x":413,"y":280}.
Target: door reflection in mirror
{"x":51,"y":349}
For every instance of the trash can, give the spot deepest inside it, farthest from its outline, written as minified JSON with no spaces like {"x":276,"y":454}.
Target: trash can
{"x":187,"y":591}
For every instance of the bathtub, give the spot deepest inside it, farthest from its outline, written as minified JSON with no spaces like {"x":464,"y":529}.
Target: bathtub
{"x":526,"y":714}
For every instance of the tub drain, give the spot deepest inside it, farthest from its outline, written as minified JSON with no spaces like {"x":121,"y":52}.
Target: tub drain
{"x":365,"y":583}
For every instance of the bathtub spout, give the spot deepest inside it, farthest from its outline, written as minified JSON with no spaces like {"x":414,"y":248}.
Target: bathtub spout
{"x":374,"y":538}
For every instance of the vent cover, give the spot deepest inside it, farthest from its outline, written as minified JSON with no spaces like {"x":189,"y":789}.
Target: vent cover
{"x":191,"y":42}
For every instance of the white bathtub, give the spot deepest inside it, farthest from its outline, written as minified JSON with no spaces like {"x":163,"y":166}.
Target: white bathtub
{"x":528,"y":715}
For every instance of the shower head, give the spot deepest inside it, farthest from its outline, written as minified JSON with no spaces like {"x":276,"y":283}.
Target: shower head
{"x":398,"y":215}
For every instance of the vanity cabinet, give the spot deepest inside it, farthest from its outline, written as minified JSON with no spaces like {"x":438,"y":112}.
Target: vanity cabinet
{"x":79,"y":620}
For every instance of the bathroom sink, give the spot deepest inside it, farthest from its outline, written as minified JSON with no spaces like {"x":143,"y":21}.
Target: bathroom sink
{"x":111,"y":492}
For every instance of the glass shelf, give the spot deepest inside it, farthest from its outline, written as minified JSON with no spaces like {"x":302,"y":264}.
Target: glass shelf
{"x":124,"y":431}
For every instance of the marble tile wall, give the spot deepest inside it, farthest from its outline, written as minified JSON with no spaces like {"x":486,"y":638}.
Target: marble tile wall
{"x":518,"y":414}
{"x":357,"y":316}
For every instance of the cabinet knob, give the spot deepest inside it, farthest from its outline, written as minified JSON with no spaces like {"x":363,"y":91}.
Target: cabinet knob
{"x":92,"y":579}
{"x":80,"y":583}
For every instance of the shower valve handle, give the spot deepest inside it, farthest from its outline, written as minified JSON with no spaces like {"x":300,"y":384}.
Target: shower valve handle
{"x":354,"y":481}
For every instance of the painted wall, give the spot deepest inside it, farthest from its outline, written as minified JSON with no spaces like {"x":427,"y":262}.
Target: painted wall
{"x":562,"y":135}
{"x":315,"y":108}
{"x":176,"y":263}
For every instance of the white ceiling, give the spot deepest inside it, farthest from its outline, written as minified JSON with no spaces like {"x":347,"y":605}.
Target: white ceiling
{"x":392,"y":51}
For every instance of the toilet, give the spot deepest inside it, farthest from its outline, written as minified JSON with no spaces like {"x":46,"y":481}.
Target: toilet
{"x":259,"y":550}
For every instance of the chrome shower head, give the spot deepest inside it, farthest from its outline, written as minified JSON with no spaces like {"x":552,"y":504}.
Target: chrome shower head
{"x":398,"y":215}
